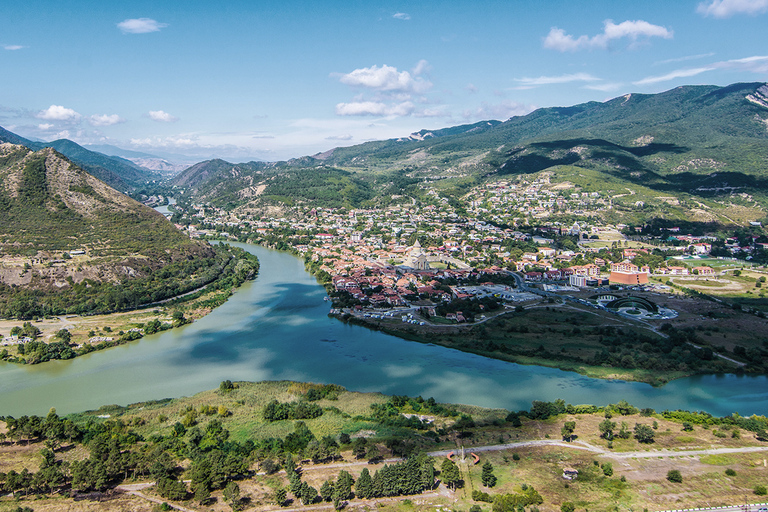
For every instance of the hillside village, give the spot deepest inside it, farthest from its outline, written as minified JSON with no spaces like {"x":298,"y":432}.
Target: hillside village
{"x":421,"y":252}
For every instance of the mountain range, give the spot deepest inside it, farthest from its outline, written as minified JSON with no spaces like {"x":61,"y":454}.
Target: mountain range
{"x":705,"y":144}
{"x":119,"y":173}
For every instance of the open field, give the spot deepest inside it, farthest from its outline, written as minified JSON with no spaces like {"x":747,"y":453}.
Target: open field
{"x":531,"y":454}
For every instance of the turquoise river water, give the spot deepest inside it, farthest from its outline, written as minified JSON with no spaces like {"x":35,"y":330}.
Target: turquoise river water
{"x":277,"y":328}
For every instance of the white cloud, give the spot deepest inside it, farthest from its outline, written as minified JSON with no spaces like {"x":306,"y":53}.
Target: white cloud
{"x":608,"y":87}
{"x":374,"y":108}
{"x":678,"y":73}
{"x":558,"y":40}
{"x":160,"y":116}
{"x":339,"y":137}
{"x":140,"y":26}
{"x":13,"y":47}
{"x":471,"y":88}
{"x":45,"y":126}
{"x":686,"y":58}
{"x":561,"y":79}
{"x":401,"y":16}
{"x":421,"y":67}
{"x":175,"y":141}
{"x":386,"y":78}
{"x":753,"y":64}
{"x":727,"y":8}
{"x":105,"y":120}
{"x":502,"y":111}
{"x":58,"y":113}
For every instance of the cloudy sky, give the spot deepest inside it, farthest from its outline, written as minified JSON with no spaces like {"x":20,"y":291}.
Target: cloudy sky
{"x":279,"y":79}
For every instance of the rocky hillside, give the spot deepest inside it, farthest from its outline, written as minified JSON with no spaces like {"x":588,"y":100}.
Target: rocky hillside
{"x":71,"y":243}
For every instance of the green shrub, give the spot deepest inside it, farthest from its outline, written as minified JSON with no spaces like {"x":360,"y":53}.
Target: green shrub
{"x":673,"y":475}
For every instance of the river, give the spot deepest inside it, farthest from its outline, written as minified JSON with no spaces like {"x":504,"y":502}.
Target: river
{"x":277,"y":327}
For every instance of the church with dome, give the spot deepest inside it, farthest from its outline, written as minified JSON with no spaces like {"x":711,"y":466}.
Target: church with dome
{"x":417,"y":258}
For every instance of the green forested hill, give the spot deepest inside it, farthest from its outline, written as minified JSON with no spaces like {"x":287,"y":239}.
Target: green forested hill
{"x":704,"y":141}
{"x":116,"y":172}
{"x":70,"y":243}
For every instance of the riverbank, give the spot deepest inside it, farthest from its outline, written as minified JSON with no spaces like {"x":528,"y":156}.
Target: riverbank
{"x":553,"y":332}
{"x":70,"y":336}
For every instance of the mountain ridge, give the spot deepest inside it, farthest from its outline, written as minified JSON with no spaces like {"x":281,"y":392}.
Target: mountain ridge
{"x":117,"y":172}
{"x":709,"y":141}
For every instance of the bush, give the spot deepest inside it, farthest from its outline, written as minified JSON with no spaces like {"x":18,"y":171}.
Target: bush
{"x":567,"y":506}
{"x":673,"y":475}
{"x":760,"y":490}
{"x":482,"y":496}
{"x":730,"y":472}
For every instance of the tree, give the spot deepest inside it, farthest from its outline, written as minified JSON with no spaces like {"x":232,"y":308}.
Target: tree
{"x":343,"y":486}
{"x":673,"y":475}
{"x":644,"y":433}
{"x":567,"y":506}
{"x":364,"y":485}
{"x":606,"y":428}
{"x":178,"y":318}
{"x":488,"y":478}
{"x":202,"y":494}
{"x":326,"y":491}
{"x":64,"y":335}
{"x":567,"y":430}
{"x":359,"y":447}
{"x":232,"y":495}
{"x":607,"y":469}
{"x":280,"y":496}
{"x":307,"y":493}
{"x":449,"y":473}
{"x":171,"y":489}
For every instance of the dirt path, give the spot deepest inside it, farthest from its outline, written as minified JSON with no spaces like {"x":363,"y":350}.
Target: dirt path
{"x":135,"y":490}
{"x":580,"y":445}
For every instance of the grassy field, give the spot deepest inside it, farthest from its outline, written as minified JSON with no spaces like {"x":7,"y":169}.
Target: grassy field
{"x":637,"y":480}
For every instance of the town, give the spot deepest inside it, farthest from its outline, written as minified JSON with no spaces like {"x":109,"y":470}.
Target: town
{"x":404,"y":254}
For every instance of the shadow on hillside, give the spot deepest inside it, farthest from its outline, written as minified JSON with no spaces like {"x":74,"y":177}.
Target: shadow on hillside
{"x":716,"y":183}
{"x":540,"y":156}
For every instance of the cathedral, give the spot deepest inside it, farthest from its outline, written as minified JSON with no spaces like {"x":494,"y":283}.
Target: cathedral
{"x":416,"y":258}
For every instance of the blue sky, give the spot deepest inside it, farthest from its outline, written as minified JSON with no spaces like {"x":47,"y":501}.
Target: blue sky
{"x":280,"y":79}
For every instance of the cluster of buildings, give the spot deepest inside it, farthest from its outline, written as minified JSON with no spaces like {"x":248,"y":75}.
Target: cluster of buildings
{"x":375,"y":253}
